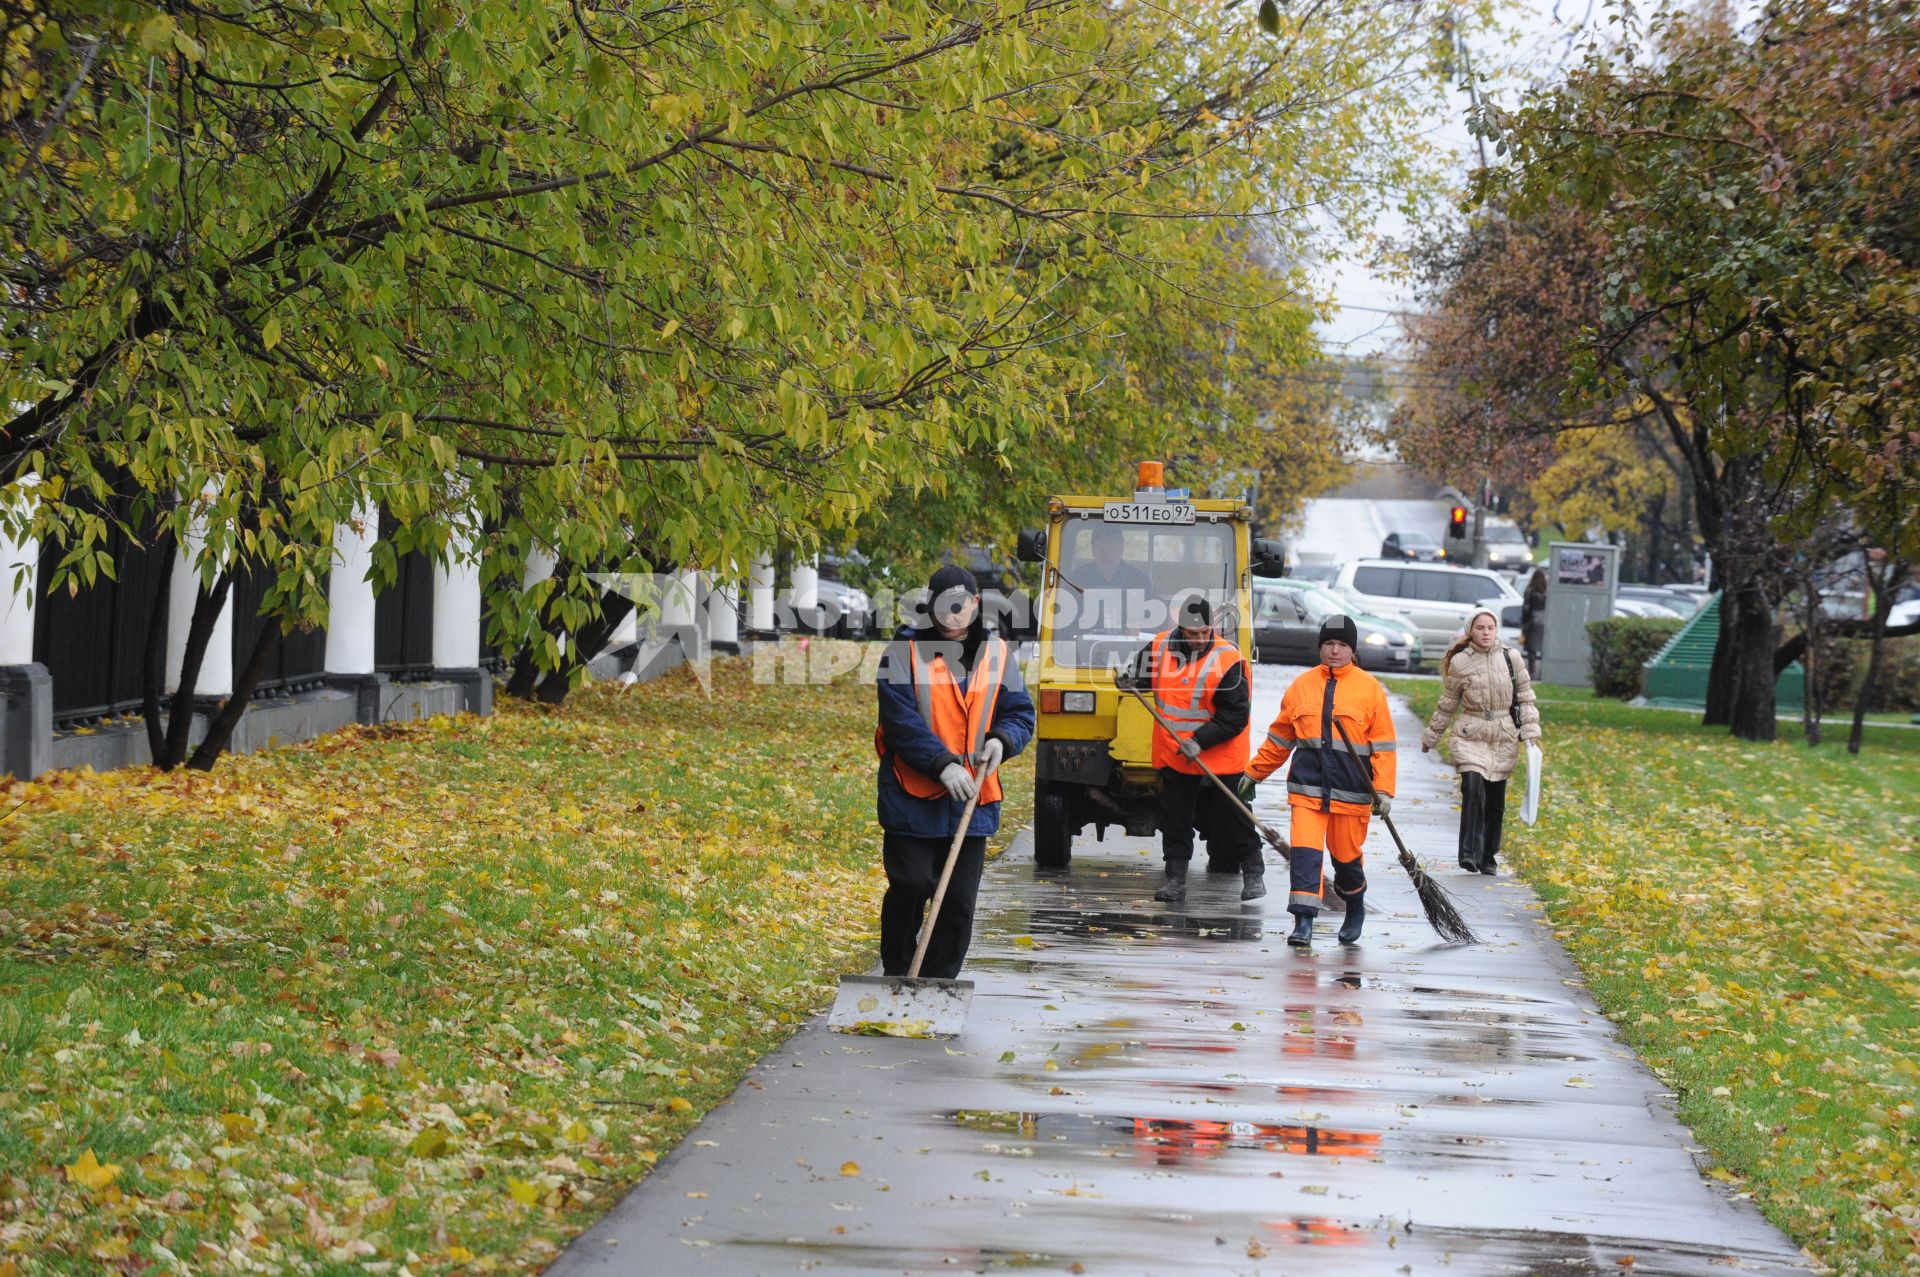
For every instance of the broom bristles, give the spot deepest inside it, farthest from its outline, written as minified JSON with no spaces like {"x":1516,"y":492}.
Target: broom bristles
{"x":1442,"y":914}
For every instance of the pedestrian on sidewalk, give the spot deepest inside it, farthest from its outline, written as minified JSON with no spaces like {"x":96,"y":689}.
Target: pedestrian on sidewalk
{"x":1487,"y":686}
{"x":1332,"y":789}
{"x":1199,"y":682}
{"x":953,"y":707}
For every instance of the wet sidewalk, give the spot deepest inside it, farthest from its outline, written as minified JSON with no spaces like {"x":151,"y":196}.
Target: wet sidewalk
{"x":1146,"y":1090}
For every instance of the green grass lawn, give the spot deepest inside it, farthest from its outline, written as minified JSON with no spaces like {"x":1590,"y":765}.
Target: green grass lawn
{"x":1750,"y":916}
{"x":423,"y":998}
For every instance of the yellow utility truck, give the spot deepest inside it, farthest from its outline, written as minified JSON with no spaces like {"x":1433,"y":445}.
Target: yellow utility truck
{"x":1116,"y":567}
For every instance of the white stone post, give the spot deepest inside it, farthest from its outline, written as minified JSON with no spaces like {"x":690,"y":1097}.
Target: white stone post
{"x":26,"y":689}
{"x":350,"y":602}
{"x":723,"y":618}
{"x":19,"y":562}
{"x":456,"y":619}
{"x":804,"y":596}
{"x":760,"y":594}
{"x":351,"y":610}
{"x":216,"y":666}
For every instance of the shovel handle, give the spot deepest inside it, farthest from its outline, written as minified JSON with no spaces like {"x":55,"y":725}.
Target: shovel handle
{"x":1273,"y":839}
{"x":946,"y":875}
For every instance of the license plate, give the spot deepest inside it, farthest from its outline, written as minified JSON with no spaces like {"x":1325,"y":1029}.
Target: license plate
{"x":1141,"y":512}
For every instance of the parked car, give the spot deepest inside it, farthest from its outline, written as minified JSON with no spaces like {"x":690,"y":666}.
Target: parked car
{"x":1286,"y":628}
{"x":839,"y":610}
{"x":1680,"y":604}
{"x":1432,"y":599}
{"x":1626,"y":605}
{"x":1318,"y":571}
{"x":1415,"y":546}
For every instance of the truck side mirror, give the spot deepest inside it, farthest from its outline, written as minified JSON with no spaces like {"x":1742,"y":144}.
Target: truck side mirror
{"x":1510,"y":615}
{"x":1269,"y":558}
{"x":1033,"y":546}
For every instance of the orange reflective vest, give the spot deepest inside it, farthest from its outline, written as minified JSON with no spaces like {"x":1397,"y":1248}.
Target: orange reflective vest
{"x":1327,"y":773}
{"x":1183,"y":691}
{"x":959,"y":719}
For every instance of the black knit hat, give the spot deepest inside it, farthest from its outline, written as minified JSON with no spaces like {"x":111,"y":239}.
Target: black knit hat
{"x":1340,"y":626}
{"x":1193,"y":612}
{"x":949,"y":577}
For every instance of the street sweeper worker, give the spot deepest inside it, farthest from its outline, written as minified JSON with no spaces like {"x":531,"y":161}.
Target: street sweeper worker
{"x":953,"y":707}
{"x":1327,"y":789}
{"x":1198,"y":681}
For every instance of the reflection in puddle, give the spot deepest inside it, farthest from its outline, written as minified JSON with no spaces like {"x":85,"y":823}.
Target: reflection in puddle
{"x":1317,"y":1230}
{"x":1164,"y":1143}
{"x":1123,"y":925}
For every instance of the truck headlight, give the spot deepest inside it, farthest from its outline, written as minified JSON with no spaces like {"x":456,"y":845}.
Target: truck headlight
{"x":1077,"y":702}
{"x":1375,"y":639}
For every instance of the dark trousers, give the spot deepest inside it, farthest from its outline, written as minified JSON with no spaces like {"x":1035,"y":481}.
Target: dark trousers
{"x":1185,"y":799}
{"x":913,"y":871}
{"x":1483,"y":809}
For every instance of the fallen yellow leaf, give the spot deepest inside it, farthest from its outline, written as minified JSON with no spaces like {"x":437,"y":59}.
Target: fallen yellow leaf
{"x":849,"y":1168}
{"x":89,"y":1173}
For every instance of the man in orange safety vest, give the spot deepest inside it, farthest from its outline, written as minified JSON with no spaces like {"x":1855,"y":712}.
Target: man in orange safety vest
{"x":1199,"y":683}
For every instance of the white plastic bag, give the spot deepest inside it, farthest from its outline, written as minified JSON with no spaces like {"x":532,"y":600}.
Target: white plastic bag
{"x":1530,"y":805}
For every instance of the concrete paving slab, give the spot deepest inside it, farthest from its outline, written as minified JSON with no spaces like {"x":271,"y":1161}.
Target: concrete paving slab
{"x":1150,"y":1090}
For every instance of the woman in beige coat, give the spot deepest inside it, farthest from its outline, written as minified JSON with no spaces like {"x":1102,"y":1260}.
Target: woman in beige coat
{"x":1487,"y":686}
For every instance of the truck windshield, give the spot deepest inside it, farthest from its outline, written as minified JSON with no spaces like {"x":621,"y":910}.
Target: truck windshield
{"x":1119,"y":582}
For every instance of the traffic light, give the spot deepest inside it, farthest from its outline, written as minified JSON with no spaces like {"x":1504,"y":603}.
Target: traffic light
{"x":1457,"y":522}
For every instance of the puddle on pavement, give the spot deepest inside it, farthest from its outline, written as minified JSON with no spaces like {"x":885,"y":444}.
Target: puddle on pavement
{"x":1166,"y":1143}
{"x":1122,"y":926}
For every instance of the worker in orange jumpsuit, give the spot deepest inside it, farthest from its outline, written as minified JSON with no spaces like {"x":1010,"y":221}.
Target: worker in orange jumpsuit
{"x":1327,"y":789}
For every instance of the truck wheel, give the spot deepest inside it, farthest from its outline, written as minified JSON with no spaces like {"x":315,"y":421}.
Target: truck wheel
{"x":1052,"y":835}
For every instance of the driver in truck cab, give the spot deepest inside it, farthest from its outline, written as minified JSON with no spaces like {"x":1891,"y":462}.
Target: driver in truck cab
{"x":1199,"y":683}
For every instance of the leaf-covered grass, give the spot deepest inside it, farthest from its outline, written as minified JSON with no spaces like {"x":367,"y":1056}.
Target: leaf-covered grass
{"x":423,"y":997}
{"x":1750,"y":916}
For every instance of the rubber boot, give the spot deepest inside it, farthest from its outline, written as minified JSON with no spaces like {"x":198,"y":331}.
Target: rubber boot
{"x":1253,"y":882}
{"x":1356,"y":917}
{"x":1302,"y":935}
{"x":1174,"y":890}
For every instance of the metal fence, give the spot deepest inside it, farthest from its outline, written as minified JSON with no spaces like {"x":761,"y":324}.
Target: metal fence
{"x":93,"y":640}
{"x":403,"y":618}
{"x":301,"y":661}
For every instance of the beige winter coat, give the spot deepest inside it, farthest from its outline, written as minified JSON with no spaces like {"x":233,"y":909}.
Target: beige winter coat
{"x":1480,"y":688}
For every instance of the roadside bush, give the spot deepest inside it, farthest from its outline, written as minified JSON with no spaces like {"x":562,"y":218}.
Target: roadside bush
{"x":1844,"y":664}
{"x":1620,"y":646}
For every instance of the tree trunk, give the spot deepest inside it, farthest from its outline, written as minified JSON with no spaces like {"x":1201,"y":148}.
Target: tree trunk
{"x":580,"y":647}
{"x":1882,"y":583}
{"x":207,"y":603}
{"x":1747,"y":634}
{"x":524,"y":677}
{"x":1813,"y":703}
{"x":153,"y":670}
{"x":220,"y":730}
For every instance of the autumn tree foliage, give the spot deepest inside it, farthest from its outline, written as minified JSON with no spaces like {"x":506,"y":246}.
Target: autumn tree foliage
{"x":637,"y":288}
{"x":1749,"y":206}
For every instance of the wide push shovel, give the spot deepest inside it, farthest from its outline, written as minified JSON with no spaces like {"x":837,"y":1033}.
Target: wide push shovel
{"x":911,"y":1005}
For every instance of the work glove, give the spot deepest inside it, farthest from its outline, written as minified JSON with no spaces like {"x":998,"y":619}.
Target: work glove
{"x":1382,"y":804}
{"x":990,"y":755}
{"x":1246,"y":788}
{"x":959,"y":782}
{"x":1188,"y":748}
